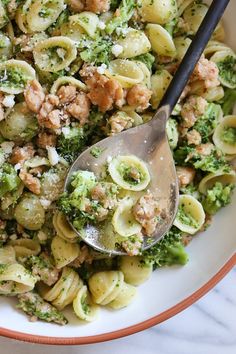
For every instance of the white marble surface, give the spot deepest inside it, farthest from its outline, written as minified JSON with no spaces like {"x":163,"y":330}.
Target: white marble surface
{"x":207,"y":327}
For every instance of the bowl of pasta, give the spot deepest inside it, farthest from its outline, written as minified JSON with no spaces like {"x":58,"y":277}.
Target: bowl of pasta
{"x":75,"y":72}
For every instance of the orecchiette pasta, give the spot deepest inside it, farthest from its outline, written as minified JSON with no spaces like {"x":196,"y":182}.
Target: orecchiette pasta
{"x":15,"y":279}
{"x":63,"y":228}
{"x":134,"y":43}
{"x":29,"y":212}
{"x":65,"y":290}
{"x":159,"y":84}
{"x":134,"y":269}
{"x":84,"y":307}
{"x":161,"y":41}
{"x":209,"y":180}
{"x":67,"y":80}
{"x":190,"y":216}
{"x":7,"y":255}
{"x":224,"y":136}
{"x":124,"y":298}
{"x":123,"y":220}
{"x":25,"y":247}
{"x":226,"y":60}
{"x":120,"y":167}
{"x":63,"y":251}
{"x":158,"y":11}
{"x":54,"y":54}
{"x":127,"y":72}
{"x":14,"y":75}
{"x":88,"y":21}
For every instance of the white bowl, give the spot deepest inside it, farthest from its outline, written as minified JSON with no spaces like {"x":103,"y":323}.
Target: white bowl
{"x":170,"y":290}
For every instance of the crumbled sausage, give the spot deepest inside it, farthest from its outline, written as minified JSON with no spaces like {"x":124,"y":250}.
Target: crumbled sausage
{"x":48,"y":116}
{"x":207,"y":72}
{"x":193,"y":108}
{"x":194,"y":137}
{"x":102,"y":192}
{"x":31,"y":182}
{"x":76,"y":5}
{"x":139,"y":97}
{"x":66,"y":94}
{"x":98,"y":6}
{"x":119,"y":122}
{"x":34,"y":96}
{"x":185,"y":175}
{"x":205,"y":149}
{"x":80,"y":107}
{"x":103,"y":92}
{"x":45,"y":139}
{"x":43,"y":267}
{"x":21,"y":154}
{"x":145,"y":212}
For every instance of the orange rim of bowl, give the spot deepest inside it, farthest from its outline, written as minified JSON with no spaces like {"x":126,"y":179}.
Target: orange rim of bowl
{"x":128,"y":330}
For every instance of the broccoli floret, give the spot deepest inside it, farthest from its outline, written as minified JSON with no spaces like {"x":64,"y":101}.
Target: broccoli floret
{"x":172,"y":132}
{"x":228,"y":102}
{"x":126,"y":10}
{"x":71,"y":142}
{"x":206,"y":124}
{"x":34,"y":305}
{"x":168,"y":251}
{"x":64,"y":16}
{"x":171,"y":26}
{"x":217,"y":197}
{"x":9,"y":180}
{"x":148,"y":59}
{"x":98,"y":51}
{"x":187,"y":156}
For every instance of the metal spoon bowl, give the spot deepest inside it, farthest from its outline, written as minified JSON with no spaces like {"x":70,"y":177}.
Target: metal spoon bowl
{"x":149,"y":142}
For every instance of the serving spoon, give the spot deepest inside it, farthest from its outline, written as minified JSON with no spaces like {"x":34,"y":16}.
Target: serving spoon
{"x":149,"y":142}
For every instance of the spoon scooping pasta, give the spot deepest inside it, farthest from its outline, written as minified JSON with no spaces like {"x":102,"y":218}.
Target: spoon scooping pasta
{"x":137,"y":167}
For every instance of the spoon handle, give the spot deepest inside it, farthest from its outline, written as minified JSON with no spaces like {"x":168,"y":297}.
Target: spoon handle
{"x":192,"y":56}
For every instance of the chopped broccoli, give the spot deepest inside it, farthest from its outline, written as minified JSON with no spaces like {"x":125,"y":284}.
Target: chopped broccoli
{"x":96,"y":151}
{"x":34,"y":305}
{"x":187,"y":156}
{"x":126,"y":10}
{"x":168,"y":251}
{"x":229,"y":135}
{"x":114,"y":4}
{"x":71,"y":142}
{"x":98,"y":51}
{"x":217,"y":197}
{"x":228,"y":102}
{"x":206,"y":124}
{"x":227,"y":73}
{"x":172,"y":132}
{"x":9,"y":180}
{"x":171,"y":26}
{"x":148,"y":59}
{"x":63,"y":17}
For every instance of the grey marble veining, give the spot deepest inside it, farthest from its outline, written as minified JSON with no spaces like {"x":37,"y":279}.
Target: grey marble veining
{"x":207,"y":327}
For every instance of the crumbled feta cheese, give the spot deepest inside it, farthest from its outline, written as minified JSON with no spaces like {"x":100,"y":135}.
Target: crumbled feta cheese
{"x":45,"y":203}
{"x":121,"y":31}
{"x":65,"y":131}
{"x":101,"y":69}
{"x":9,"y":101}
{"x":117,"y":49}
{"x":101,"y":25}
{"x":17,"y":166}
{"x":61,"y":53}
{"x":53,"y":156}
{"x":7,"y":147}
{"x":109,"y":158}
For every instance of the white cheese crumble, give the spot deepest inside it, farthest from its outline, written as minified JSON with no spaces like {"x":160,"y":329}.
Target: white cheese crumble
{"x":65,"y":131}
{"x":53,"y":156}
{"x":109,"y":158}
{"x":101,"y":25}
{"x":17,"y":166}
{"x":7,"y":147}
{"x":9,"y":101}
{"x":117,"y":49}
{"x":45,"y":203}
{"x":101,"y":69}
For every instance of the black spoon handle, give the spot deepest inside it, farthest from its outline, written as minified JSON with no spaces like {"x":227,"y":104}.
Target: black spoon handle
{"x":193,"y":54}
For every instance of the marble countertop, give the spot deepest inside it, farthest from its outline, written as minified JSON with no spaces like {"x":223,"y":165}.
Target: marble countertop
{"x":207,"y":327}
